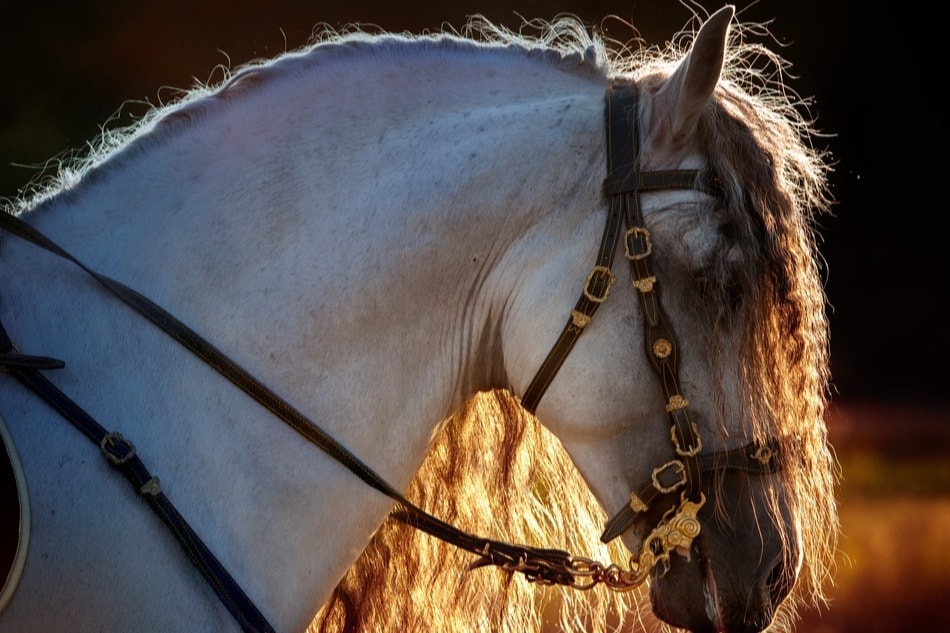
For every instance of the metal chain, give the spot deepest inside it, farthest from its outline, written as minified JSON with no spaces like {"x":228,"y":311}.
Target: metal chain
{"x":676,"y":531}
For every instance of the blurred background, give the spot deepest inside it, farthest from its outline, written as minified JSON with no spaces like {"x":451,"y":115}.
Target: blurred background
{"x":67,"y":67}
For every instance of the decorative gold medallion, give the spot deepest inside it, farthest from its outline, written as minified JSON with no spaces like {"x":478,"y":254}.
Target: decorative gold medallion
{"x":579,"y":319}
{"x":662,"y":348}
{"x":676,"y":403}
{"x":644,"y":285}
{"x":636,"y":503}
{"x":763,"y":454}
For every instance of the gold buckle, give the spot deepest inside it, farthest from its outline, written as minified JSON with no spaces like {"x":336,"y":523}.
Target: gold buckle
{"x":679,"y":470}
{"x":113,"y":444}
{"x":611,"y":278}
{"x":692,"y":452}
{"x":632,"y":232}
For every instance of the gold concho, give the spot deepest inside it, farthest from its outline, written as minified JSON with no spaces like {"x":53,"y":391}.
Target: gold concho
{"x":644,"y":285}
{"x":763,"y":455}
{"x":579,"y":319}
{"x":662,"y":348}
{"x":676,"y":403}
{"x":636,"y":503}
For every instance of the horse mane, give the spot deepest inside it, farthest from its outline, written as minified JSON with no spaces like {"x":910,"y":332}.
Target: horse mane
{"x":493,"y":470}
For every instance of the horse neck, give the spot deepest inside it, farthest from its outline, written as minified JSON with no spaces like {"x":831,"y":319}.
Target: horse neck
{"x":260,"y":223}
{"x":354,"y":248}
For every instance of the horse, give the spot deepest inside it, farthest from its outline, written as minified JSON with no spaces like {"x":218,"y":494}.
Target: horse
{"x":378,"y":239}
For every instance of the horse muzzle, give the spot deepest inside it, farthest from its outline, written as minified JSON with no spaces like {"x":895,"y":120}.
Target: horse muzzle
{"x":734,"y":576}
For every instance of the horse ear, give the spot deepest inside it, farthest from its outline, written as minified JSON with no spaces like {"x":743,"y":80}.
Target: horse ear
{"x":680,"y":102}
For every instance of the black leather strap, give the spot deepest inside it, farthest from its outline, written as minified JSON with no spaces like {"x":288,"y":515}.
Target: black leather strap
{"x":120,"y":453}
{"x":544,"y":565}
{"x":595,"y":291}
{"x":212,"y":356}
{"x":623,"y":182}
{"x":626,"y":181}
{"x":622,"y":186}
{"x":751,"y":458}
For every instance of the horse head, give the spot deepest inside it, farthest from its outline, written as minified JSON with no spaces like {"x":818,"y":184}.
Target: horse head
{"x":717,"y":422}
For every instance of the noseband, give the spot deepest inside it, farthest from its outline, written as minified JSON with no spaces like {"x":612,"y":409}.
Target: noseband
{"x":683,"y":473}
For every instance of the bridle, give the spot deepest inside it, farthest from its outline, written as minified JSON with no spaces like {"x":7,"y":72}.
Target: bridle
{"x":683,"y":473}
{"x":675,"y":483}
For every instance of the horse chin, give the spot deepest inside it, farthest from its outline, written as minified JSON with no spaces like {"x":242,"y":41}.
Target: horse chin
{"x":673,"y":596}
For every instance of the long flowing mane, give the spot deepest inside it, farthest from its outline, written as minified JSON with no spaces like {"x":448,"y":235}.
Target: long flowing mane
{"x":494,"y":471}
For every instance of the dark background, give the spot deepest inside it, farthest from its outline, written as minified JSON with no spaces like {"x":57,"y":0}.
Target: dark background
{"x":68,"y":66}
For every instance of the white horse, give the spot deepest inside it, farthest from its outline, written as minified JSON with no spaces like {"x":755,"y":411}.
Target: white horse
{"x":379,"y":228}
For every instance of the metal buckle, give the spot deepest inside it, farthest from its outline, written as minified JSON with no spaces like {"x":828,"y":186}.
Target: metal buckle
{"x":678,"y":470}
{"x":110,"y":442}
{"x":648,"y":245}
{"x":611,"y":278}
{"x":693,"y":451}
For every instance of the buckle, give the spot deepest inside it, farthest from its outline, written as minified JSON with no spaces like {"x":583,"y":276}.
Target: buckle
{"x":602,"y":271}
{"x":642,"y":234}
{"x":692,"y":451}
{"x":117,"y":449}
{"x":676,"y":469}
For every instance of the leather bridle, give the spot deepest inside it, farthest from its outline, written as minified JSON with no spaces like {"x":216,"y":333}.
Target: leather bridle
{"x":675,"y":483}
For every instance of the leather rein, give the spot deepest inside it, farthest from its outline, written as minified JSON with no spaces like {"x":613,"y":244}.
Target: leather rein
{"x":682,"y":474}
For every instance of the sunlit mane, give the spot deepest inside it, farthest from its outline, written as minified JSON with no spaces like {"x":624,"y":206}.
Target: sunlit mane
{"x":495,"y":471}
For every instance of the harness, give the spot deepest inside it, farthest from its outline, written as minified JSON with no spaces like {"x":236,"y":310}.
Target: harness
{"x":673,"y":492}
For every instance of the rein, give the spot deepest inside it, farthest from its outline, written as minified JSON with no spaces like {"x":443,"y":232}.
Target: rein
{"x":678,"y":525}
{"x":540,"y":565}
